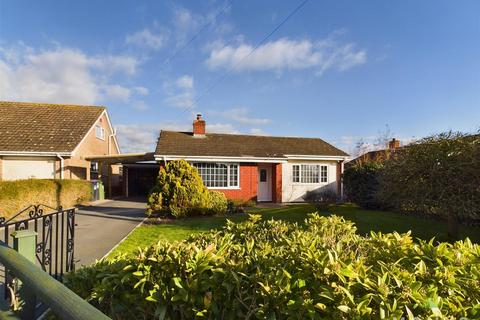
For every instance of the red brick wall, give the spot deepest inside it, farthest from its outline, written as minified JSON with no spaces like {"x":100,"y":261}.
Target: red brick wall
{"x":248,"y":184}
{"x":277,"y":182}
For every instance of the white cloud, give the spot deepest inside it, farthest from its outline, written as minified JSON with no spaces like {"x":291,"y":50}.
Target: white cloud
{"x":62,"y":75}
{"x":182,"y":95}
{"x":145,"y":38}
{"x":113,"y":64}
{"x":258,"y":132}
{"x":182,"y":100}
{"x":141,"y":91}
{"x":137,"y":137}
{"x":287,"y":54}
{"x":185,"y":82}
{"x":143,"y":137}
{"x":221,"y":128}
{"x":117,"y":92}
{"x":140,"y":105}
{"x":186,"y":22}
{"x":241,"y":115}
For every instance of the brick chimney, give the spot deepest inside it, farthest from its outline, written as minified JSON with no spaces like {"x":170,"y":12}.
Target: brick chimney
{"x":199,"y":126}
{"x":393,"y":144}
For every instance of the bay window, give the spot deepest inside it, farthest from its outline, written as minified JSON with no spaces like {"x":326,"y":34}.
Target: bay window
{"x":218,"y":175}
{"x":309,"y":173}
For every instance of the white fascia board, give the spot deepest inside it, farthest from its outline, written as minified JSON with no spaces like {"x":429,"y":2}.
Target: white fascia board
{"x":220,"y":159}
{"x":35,"y":153}
{"x":313,"y":157}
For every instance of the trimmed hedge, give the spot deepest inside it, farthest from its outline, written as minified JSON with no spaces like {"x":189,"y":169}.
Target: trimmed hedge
{"x":361,"y":182}
{"x":278,"y":270}
{"x":18,"y":194}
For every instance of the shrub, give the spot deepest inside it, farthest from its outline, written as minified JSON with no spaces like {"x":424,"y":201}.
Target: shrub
{"x":277,"y":270}
{"x":321,"y":199}
{"x":438,"y":175}
{"x":18,"y":194}
{"x":218,"y":202}
{"x":180,"y":192}
{"x":361,"y":183}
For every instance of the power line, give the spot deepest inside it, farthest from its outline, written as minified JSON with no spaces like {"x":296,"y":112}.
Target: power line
{"x":229,"y":71}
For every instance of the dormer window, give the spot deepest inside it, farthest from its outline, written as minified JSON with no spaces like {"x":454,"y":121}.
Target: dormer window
{"x":99,"y":132}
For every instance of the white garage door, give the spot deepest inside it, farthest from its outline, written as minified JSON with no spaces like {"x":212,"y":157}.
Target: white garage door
{"x":27,"y":168}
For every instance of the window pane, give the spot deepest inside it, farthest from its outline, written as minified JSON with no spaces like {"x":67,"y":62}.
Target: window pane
{"x":263,"y":175}
{"x":233,"y":175}
{"x":309,"y":173}
{"x":324,"y":174}
{"x":296,"y":173}
{"x":216,"y":174}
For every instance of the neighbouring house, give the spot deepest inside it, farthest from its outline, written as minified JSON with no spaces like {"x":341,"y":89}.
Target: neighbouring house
{"x":381,"y":155}
{"x":46,"y":141}
{"x":243,"y":167}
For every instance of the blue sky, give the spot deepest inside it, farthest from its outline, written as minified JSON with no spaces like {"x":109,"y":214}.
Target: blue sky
{"x":338,"y":70}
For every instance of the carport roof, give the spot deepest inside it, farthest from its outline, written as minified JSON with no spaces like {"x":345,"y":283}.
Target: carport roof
{"x":124,"y":158}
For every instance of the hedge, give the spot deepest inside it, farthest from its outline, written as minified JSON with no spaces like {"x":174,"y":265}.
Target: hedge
{"x":361,"y":183}
{"x":16,"y":195}
{"x":278,"y":270}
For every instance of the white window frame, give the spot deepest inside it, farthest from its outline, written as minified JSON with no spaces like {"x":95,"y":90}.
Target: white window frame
{"x":102,"y":131}
{"x":228,"y":164}
{"x":300,"y":167}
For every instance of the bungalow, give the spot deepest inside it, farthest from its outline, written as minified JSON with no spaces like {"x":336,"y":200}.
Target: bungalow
{"x":261,"y":168}
{"x":47,"y":141}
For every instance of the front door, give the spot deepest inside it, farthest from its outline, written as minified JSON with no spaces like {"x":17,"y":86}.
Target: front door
{"x":264,"y":183}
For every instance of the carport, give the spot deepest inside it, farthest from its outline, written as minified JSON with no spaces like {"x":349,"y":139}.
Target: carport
{"x":138,"y":171}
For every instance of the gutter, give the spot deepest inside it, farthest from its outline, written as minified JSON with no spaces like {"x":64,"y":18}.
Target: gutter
{"x":34,"y":153}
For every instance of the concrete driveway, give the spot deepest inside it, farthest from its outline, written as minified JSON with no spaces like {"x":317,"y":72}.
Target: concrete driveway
{"x":100,"y":227}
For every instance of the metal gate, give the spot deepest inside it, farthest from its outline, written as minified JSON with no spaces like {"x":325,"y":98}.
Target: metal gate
{"x":55,"y":228}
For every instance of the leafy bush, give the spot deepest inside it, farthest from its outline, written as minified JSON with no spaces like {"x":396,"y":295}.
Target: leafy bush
{"x":438,"y":175}
{"x":18,"y":194}
{"x":321,"y":199}
{"x":180,"y":192}
{"x":277,"y":270}
{"x":218,"y":202}
{"x":361,"y":183}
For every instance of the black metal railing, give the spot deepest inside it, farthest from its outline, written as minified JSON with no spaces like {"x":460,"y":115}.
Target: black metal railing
{"x":37,"y":286}
{"x":55,"y":228}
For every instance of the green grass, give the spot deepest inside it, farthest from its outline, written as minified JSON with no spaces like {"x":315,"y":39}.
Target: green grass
{"x":365,"y":220}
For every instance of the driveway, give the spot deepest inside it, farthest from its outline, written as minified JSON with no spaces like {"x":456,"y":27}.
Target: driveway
{"x":100,"y":227}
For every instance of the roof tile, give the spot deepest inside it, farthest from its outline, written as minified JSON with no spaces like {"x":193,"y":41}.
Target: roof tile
{"x":42,"y":127}
{"x":232,"y":145}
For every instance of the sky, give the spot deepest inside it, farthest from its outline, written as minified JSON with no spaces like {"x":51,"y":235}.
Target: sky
{"x":343,"y":71}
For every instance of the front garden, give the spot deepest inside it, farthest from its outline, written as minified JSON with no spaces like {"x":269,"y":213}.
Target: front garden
{"x":192,"y":261}
{"x":365,"y":220}
{"x":275,"y":269}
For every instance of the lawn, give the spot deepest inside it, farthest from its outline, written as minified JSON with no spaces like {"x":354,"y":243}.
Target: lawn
{"x":365,"y":220}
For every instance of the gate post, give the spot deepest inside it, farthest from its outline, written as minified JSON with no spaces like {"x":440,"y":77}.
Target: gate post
{"x":24,"y":242}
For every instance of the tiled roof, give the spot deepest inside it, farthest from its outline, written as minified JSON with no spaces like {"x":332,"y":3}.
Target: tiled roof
{"x":41,"y":127}
{"x":232,"y":145}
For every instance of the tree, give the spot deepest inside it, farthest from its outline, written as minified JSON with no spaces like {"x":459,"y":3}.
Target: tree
{"x":438,"y":175}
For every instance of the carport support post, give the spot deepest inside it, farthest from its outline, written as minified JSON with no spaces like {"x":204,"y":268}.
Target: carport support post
{"x":24,"y":242}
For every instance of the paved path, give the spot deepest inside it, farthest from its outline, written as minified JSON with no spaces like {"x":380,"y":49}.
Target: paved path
{"x":101,"y":226}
